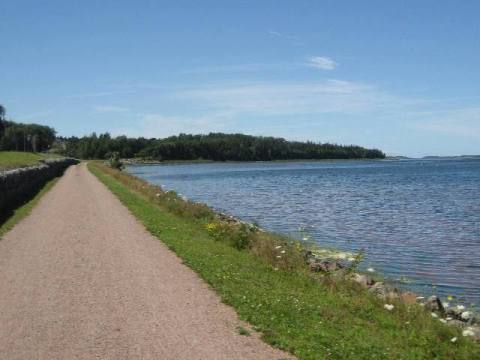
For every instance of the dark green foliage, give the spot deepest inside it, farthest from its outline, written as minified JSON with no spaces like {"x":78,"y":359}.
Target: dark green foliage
{"x":101,"y":146}
{"x":239,"y":147}
{"x":214,"y":146}
{"x":240,"y":236}
{"x":24,"y":137}
{"x":114,"y":161}
{"x":3,"y":112}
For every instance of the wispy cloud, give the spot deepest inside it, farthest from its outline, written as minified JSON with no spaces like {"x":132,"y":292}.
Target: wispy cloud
{"x":102,"y":109}
{"x":295,"y":40}
{"x":322,"y":62}
{"x":285,"y":98}
{"x":98,"y":94}
{"x":237,"y":68}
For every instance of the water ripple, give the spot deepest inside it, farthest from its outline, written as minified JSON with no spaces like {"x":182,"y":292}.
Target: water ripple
{"x":416,"y":220}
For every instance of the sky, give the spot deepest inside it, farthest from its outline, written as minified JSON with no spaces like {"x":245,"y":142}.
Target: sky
{"x":402,"y":76}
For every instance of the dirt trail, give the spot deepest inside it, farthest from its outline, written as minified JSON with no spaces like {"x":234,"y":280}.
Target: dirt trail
{"x":80,"y":278}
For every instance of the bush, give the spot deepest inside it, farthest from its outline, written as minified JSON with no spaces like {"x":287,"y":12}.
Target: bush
{"x":114,"y":161}
{"x":240,"y":236}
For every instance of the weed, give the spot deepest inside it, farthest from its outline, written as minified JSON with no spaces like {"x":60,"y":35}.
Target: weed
{"x":243,"y":331}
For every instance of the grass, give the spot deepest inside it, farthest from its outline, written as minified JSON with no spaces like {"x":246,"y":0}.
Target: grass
{"x":310,"y":318}
{"x":22,"y":211}
{"x":17,"y":159}
{"x":243,"y":331}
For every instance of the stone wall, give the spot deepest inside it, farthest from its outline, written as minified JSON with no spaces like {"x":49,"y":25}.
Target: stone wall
{"x":19,"y":185}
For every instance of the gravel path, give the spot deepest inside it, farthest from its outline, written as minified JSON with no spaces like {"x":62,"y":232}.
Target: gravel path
{"x":80,"y":278}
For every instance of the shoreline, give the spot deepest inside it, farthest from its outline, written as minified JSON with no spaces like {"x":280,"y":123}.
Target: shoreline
{"x":419,"y":285}
{"x":338,"y":265}
{"x":332,"y":260}
{"x":136,"y":162}
{"x":312,"y":315}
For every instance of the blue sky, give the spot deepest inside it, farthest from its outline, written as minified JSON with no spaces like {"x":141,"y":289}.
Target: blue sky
{"x":402,"y":76}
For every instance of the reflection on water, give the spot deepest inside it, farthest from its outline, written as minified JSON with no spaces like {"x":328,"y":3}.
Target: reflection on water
{"x":416,"y":220}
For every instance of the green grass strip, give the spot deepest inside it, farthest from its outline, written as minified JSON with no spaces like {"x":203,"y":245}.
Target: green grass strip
{"x":312,"y":320}
{"x":17,"y":159}
{"x":22,"y":211}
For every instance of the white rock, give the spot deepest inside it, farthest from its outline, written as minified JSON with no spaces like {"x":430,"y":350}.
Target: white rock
{"x":454,"y":339}
{"x":468,"y":332}
{"x":389,"y":307}
{"x":434,"y":315}
{"x":466,"y":315}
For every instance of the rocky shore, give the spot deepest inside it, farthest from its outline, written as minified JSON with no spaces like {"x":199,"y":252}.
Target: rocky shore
{"x":456,"y":315}
{"x":340,"y":266}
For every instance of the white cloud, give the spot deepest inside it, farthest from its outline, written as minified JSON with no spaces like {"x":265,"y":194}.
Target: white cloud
{"x":322,"y":62}
{"x":263,"y":99}
{"x":295,"y":40}
{"x":103,"y":109}
{"x":98,"y":94}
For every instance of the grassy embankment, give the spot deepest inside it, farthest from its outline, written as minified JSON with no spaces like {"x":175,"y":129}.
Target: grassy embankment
{"x":310,"y":316}
{"x":17,"y":159}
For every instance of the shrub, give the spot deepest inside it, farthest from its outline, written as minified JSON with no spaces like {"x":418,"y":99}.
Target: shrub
{"x":240,"y":236}
{"x":114,"y":161}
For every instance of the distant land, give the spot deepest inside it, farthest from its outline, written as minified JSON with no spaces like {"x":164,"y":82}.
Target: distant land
{"x":451,"y":157}
{"x":434,"y":157}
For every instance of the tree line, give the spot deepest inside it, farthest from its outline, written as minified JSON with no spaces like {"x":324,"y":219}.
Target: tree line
{"x":24,"y":137}
{"x":214,"y":146}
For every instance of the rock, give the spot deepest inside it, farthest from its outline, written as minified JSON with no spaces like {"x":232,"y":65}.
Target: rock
{"x":325,"y":265}
{"x":472,"y":331}
{"x":364,"y":280}
{"x":379,"y":290}
{"x":338,"y":275}
{"x":408,"y":298}
{"x":470,"y":317}
{"x":307,"y":255}
{"x":455,"y":312}
{"x":433,"y":304}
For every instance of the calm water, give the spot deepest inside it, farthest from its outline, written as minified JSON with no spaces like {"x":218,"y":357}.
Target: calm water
{"x":417,"y":221}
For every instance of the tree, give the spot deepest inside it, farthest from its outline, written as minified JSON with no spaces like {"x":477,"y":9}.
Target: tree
{"x":3,"y":112}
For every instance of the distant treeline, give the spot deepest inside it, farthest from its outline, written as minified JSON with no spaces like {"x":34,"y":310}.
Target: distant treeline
{"x":24,"y":137}
{"x":214,"y":146}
